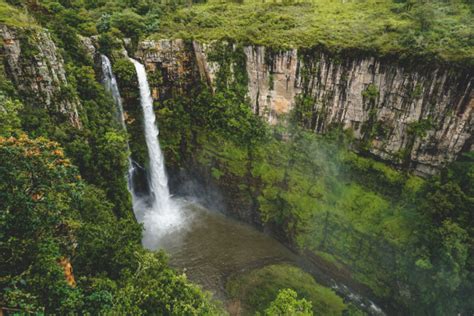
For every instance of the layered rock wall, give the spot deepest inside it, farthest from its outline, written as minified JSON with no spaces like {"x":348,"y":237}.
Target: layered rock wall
{"x":35,"y":66}
{"x":420,"y":117}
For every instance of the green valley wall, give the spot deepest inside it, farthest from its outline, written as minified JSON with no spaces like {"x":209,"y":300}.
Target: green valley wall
{"x":411,"y":115}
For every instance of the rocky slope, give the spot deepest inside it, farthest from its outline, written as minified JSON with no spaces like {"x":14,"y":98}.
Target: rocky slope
{"x":417,"y":116}
{"x":36,"y":68}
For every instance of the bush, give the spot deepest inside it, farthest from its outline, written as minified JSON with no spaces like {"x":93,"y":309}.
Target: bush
{"x":129,"y":23}
{"x":258,"y":288}
{"x":286,"y":303}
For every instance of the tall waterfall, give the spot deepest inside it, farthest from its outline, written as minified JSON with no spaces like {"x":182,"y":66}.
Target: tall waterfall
{"x":163,"y":212}
{"x":111,"y":86}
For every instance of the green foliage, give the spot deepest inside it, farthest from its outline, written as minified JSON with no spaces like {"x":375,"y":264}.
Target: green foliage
{"x":286,"y":303}
{"x":167,"y":293}
{"x":102,"y":250}
{"x":375,"y":175}
{"x":48,"y":213}
{"x":371,"y":93}
{"x":86,"y":18}
{"x":12,"y":16}
{"x":443,"y":241}
{"x":258,"y":289}
{"x":108,"y":42}
{"x":129,"y":23}
{"x":432,"y":29}
{"x":9,"y":120}
{"x":38,"y":185}
{"x":100,"y":151}
{"x":232,"y":118}
{"x":420,"y":128}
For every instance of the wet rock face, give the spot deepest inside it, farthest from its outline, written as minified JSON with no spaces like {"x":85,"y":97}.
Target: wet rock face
{"x":418,"y":117}
{"x":272,"y":81}
{"x":171,"y":65}
{"x":37,"y":70}
{"x":421,"y":118}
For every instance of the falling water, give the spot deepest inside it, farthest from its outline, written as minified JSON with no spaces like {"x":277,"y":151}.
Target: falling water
{"x":163,"y":213}
{"x":111,"y":85}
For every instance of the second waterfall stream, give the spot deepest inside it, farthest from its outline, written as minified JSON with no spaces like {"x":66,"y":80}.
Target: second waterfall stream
{"x":160,"y":214}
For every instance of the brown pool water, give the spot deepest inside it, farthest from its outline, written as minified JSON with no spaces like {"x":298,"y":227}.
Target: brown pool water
{"x":210,"y":246}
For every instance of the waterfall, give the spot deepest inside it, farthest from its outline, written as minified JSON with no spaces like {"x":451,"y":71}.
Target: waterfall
{"x":163,"y":212}
{"x":111,"y":86}
{"x":159,"y":213}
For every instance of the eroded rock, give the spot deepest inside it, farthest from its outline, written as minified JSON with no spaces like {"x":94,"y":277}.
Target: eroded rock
{"x":34,"y":65}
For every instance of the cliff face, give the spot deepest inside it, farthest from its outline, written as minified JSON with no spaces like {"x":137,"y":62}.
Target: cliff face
{"x":34,"y":65}
{"x":421,"y":117}
{"x":173,"y":67}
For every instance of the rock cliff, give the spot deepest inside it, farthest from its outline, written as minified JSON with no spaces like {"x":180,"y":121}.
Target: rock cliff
{"x":36,"y":68}
{"x":417,"y":116}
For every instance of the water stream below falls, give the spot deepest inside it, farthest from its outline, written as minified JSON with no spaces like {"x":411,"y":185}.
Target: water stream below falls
{"x":212,"y":246}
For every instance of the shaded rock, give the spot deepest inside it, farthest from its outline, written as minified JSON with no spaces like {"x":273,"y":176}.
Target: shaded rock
{"x":36,"y":68}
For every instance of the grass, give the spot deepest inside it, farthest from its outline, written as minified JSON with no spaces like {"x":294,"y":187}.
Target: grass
{"x":14,"y":17}
{"x":444,"y":30}
{"x":258,"y":288}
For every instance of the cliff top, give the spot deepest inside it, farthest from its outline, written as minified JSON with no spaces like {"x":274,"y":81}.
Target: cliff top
{"x":443,"y":30}
{"x":12,"y":16}
{"x":425,"y":29}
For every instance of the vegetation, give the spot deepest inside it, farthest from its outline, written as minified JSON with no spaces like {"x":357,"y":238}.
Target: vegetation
{"x":49,"y":216}
{"x":405,"y":28}
{"x":286,"y":303}
{"x":9,"y":120}
{"x":410,"y":240}
{"x":14,"y":17}
{"x":426,"y":30}
{"x":273,"y":290}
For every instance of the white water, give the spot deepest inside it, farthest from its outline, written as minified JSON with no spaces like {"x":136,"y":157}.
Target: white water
{"x":111,"y":86}
{"x":161,"y":214}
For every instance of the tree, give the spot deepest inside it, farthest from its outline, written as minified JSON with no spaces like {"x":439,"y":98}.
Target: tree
{"x":129,"y":23}
{"x":36,"y":224}
{"x":287,"y":304}
{"x":9,"y":119}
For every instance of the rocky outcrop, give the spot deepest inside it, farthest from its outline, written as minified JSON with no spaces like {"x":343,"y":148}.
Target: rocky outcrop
{"x":36,"y":68}
{"x":419,"y":117}
{"x":171,"y":62}
{"x":272,"y":81}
